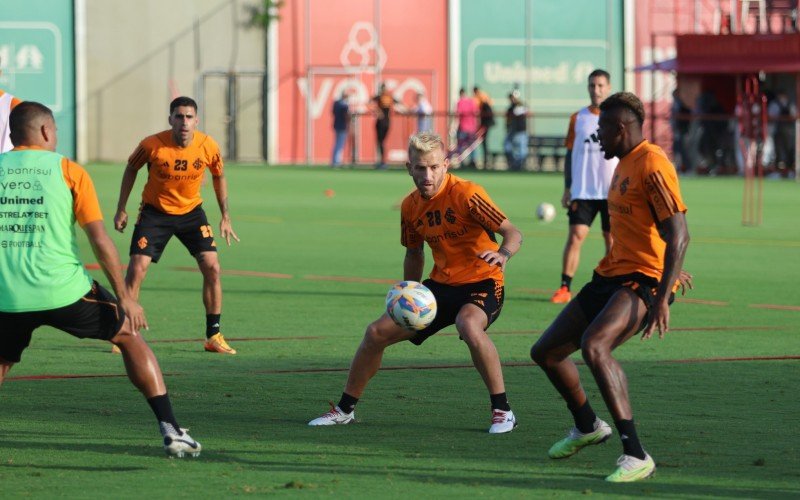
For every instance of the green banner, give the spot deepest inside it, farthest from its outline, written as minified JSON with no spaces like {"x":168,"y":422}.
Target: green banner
{"x":37,"y":59}
{"x":545,"y":49}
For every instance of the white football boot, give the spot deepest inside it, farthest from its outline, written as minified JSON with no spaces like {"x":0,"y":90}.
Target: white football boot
{"x":334,"y":417}
{"x":178,"y":443}
{"x":502,"y":422}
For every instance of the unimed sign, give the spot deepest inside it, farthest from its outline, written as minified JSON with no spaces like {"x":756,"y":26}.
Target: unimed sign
{"x":327,"y":46}
{"x":544,"y":48}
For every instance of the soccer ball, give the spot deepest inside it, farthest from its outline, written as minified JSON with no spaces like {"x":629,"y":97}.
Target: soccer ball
{"x":411,"y":305}
{"x":545,"y":212}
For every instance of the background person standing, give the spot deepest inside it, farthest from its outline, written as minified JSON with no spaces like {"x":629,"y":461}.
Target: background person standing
{"x":487,"y":121}
{"x":382,"y":105}
{"x":516,"y":142}
{"x":467,"y":116}
{"x":587,"y":176}
{"x":341,"y":125}
{"x":7,"y":103}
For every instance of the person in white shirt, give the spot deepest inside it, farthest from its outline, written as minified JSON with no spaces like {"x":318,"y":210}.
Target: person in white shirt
{"x":587,"y":176}
{"x":7,"y":103}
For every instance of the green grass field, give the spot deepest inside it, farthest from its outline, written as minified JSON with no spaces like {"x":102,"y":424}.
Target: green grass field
{"x":715,"y":401}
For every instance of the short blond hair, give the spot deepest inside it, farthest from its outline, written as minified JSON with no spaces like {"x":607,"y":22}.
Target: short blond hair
{"x":424,"y":142}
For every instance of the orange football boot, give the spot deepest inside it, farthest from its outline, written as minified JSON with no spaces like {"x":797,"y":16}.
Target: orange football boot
{"x":562,"y":296}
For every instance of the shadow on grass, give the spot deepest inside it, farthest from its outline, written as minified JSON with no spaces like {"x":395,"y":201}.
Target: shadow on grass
{"x":315,"y":293}
{"x":76,"y":468}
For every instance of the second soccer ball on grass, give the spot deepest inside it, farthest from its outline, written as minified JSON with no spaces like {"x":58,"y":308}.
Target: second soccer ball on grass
{"x":545,"y":212}
{"x":411,"y":305}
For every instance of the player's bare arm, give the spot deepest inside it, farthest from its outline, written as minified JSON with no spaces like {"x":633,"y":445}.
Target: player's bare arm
{"x":512,"y":241}
{"x":128,"y":180}
{"x":676,"y":235}
{"x":414,"y":263}
{"x":108,"y":258}
{"x":225,"y":226}
{"x":567,"y":197}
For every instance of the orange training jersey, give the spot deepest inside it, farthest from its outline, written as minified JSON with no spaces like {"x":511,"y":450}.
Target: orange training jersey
{"x":84,"y":197}
{"x":175,"y":174}
{"x":643,"y":192}
{"x":458,"y":223}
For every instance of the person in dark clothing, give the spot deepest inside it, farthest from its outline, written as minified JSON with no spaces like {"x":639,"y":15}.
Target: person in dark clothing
{"x":341,"y":120}
{"x":516,"y":143}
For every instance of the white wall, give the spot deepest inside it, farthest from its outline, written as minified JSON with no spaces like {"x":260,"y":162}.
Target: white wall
{"x":139,"y":53}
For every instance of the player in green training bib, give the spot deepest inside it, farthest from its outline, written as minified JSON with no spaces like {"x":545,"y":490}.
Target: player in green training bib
{"x":42,"y":280}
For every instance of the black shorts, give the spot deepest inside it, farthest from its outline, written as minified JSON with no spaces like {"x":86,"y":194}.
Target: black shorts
{"x":486,"y":294}
{"x":594,"y":296}
{"x":584,"y":211}
{"x":154,"y":228}
{"x":96,"y":315}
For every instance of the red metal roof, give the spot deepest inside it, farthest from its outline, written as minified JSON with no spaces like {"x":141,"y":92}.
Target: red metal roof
{"x":778,"y":53}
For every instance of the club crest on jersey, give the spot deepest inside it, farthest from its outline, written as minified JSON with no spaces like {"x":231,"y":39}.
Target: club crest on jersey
{"x":624,"y":186}
{"x":450,"y":216}
{"x":198,"y":164}
{"x":614,"y":182}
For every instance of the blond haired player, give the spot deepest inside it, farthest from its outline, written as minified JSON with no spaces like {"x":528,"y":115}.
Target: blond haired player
{"x":458,"y":220}
{"x":176,"y":160}
{"x":631,"y":289}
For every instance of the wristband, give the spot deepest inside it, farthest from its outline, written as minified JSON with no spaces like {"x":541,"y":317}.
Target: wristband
{"x":505,"y":252}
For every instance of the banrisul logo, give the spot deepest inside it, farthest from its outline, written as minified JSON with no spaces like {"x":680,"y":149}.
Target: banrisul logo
{"x":2,"y":172}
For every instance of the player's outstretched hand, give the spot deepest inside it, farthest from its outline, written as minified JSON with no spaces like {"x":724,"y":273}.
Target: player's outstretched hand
{"x":566,"y":198}
{"x":684,"y":281}
{"x":494,"y":258}
{"x":658,"y":319}
{"x":120,"y":220}
{"x":226,"y":231}
{"x":134,"y":313}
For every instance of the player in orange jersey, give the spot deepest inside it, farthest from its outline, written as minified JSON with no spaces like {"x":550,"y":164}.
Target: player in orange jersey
{"x":458,"y":220}
{"x":176,"y":161}
{"x":631,"y":290}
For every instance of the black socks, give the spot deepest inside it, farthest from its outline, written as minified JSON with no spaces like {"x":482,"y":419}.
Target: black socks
{"x":630,"y":441}
{"x":584,"y":417}
{"x":212,"y":324}
{"x":348,"y":403}
{"x":566,"y":281}
{"x":500,"y":402}
{"x":163,"y":410}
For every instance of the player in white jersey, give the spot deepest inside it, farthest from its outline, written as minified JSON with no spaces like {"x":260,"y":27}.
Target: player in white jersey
{"x":7,"y":103}
{"x":587,"y":176}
